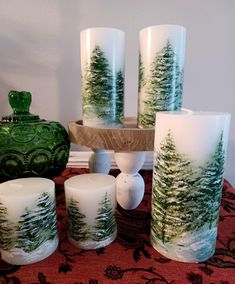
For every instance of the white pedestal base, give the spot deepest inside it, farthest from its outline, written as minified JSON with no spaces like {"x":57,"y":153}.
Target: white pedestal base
{"x":99,"y":162}
{"x":130,"y":184}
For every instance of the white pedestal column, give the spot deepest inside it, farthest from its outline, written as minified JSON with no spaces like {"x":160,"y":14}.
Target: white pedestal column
{"x":129,"y":183}
{"x":99,"y":161}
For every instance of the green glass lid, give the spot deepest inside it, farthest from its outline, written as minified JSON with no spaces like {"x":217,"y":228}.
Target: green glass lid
{"x":20,"y":103}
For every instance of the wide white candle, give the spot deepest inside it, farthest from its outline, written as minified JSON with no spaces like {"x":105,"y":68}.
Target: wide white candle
{"x":102,"y":66}
{"x":28,"y":225}
{"x":187,"y":183}
{"x":90,"y":204}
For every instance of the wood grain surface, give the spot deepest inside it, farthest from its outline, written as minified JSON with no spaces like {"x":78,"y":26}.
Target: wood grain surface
{"x":128,"y":138}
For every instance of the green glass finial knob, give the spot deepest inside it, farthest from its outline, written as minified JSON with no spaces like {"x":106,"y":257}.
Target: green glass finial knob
{"x":20,"y":101}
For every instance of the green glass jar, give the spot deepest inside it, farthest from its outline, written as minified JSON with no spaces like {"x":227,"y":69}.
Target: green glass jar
{"x":30,"y":146}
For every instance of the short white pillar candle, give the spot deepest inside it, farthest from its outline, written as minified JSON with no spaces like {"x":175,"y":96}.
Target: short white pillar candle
{"x":90,"y":204}
{"x":28,"y":225}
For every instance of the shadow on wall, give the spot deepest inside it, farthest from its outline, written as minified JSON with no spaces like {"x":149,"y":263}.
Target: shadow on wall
{"x":5,"y":108}
{"x":230,"y":163}
{"x":12,"y":50}
{"x":22,"y":51}
{"x":25,"y":59}
{"x":29,"y":53}
{"x":68,"y":72}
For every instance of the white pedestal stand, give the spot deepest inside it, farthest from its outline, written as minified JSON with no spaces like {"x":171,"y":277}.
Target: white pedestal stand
{"x":129,"y":144}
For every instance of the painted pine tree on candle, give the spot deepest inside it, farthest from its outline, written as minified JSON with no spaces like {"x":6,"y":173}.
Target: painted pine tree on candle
{"x":186,"y":201}
{"x":46,"y":210}
{"x":119,"y":99}
{"x":164,"y":87}
{"x":179,"y":84}
{"x":141,"y":82}
{"x":97,"y":87}
{"x":106,"y":223}
{"x":37,"y":225}
{"x":77,"y":227}
{"x":7,"y":230}
{"x":171,"y":180}
{"x":210,"y":182}
{"x":27,"y":232}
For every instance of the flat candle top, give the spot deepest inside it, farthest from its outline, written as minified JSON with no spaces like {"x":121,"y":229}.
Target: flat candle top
{"x":26,"y":186}
{"x":186,"y":112}
{"x":91,"y":181}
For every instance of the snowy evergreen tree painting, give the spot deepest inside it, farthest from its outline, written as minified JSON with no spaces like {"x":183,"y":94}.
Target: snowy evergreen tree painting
{"x":179,"y":84}
{"x":141,"y":74}
{"x":27,"y":232}
{"x":7,"y":230}
{"x":98,"y":88}
{"x":77,"y":227}
{"x":46,"y":209}
{"x":106,"y":223}
{"x":118,"y":101}
{"x":164,"y":87}
{"x":210,"y":183}
{"x":172,"y":178}
{"x":186,"y":201}
{"x":37,"y":225}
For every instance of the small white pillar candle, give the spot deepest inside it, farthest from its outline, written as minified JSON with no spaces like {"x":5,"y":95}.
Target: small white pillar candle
{"x":28,"y":225}
{"x":187,"y":183}
{"x":90,"y":204}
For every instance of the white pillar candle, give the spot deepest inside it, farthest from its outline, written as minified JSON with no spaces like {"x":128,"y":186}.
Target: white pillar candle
{"x":28,"y":225}
{"x":102,"y":66}
{"x":187,"y":183}
{"x":161,"y":71}
{"x":90,"y":204}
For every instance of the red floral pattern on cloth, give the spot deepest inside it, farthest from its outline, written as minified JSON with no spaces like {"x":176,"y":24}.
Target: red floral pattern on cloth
{"x":130,"y":258}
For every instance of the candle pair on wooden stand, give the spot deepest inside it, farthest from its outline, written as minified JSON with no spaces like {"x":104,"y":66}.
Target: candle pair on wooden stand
{"x":161,"y":74}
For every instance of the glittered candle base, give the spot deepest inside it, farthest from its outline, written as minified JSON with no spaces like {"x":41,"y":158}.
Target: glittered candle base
{"x":17,"y":256}
{"x":189,"y":249}
{"x":90,"y":244}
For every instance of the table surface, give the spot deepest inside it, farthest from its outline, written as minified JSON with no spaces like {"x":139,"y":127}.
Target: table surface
{"x":130,"y":258}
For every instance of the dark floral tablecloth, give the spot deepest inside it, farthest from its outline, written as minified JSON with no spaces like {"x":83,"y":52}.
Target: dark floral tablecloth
{"x":130,"y":258}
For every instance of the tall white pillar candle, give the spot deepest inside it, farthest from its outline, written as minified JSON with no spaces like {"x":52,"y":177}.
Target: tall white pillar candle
{"x":187,"y":183}
{"x":90,"y":204}
{"x":102,"y":66}
{"x":28,"y":225}
{"x":161,"y":71}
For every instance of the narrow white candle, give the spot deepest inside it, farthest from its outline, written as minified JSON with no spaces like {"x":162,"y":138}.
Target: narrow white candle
{"x":102,"y":66}
{"x":161,"y":71}
{"x":187,"y":183}
{"x":28,"y":225}
{"x":90,"y":204}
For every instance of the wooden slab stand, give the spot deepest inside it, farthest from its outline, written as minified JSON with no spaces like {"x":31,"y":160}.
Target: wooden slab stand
{"x":128,"y":138}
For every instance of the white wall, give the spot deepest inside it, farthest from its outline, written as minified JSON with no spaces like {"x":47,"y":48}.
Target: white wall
{"x":39,"y":52}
